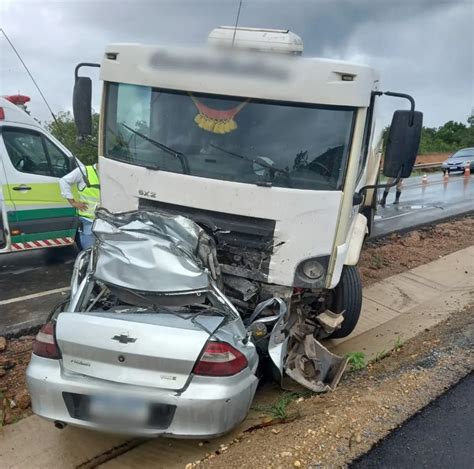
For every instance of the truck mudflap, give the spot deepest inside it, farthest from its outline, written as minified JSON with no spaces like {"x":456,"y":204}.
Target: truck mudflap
{"x":295,"y":351}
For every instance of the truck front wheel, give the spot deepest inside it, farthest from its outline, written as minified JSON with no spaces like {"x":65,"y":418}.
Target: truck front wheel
{"x":348,"y":298}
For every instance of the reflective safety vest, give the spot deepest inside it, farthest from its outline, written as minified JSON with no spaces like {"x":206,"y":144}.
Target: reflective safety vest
{"x":90,"y":194}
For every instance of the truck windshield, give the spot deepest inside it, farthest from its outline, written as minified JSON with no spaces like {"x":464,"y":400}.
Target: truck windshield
{"x":245,"y":140}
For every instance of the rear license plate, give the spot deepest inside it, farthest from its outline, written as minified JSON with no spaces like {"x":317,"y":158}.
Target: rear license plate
{"x":112,"y":409}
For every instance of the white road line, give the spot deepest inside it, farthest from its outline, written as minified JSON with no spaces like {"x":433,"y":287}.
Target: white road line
{"x":33,"y":295}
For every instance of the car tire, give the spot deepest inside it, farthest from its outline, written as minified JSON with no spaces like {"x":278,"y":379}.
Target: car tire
{"x":348,"y":298}
{"x":444,"y":172}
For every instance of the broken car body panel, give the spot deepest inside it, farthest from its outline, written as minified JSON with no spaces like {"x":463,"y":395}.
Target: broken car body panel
{"x":148,"y":251}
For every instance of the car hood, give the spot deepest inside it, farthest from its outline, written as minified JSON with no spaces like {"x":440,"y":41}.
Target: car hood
{"x":460,"y":160}
{"x":152,"y":252}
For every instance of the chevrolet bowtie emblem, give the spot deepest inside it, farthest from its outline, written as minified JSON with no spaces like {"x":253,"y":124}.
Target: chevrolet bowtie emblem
{"x":124,"y":339}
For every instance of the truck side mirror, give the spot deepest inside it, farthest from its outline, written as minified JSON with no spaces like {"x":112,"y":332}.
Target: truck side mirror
{"x":82,"y":105}
{"x":402,"y":144}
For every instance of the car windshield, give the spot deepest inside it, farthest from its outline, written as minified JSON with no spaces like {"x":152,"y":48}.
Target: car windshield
{"x":467,"y":153}
{"x":273,"y":143}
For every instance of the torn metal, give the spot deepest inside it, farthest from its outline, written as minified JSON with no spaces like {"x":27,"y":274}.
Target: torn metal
{"x":308,"y":362}
{"x":153,"y":252}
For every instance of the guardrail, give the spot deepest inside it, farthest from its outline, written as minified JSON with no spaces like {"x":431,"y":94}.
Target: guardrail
{"x":427,"y":165}
{"x":423,"y":166}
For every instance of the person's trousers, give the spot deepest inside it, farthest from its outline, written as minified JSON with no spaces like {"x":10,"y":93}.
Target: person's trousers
{"x":85,"y":232}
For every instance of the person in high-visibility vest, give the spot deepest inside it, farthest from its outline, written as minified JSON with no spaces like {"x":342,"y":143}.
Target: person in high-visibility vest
{"x":86,"y":179}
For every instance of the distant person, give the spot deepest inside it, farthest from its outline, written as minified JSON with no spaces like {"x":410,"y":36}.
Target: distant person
{"x":89,"y":198}
{"x":383,"y":200}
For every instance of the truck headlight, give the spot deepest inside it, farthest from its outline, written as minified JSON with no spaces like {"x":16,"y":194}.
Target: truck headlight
{"x":312,"y":269}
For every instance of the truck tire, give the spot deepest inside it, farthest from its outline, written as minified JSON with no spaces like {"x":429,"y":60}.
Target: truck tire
{"x":348,"y":298}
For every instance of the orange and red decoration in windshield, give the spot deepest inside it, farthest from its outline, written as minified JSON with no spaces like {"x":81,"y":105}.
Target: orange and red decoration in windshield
{"x":214,"y":120}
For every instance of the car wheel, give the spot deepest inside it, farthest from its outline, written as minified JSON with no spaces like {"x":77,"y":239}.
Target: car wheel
{"x":348,"y":298}
{"x":444,"y":171}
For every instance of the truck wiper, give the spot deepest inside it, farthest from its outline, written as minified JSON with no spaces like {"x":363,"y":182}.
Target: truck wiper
{"x":252,"y":160}
{"x":177,"y":154}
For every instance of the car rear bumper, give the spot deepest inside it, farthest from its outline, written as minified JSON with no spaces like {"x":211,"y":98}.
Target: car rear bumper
{"x":208,"y":407}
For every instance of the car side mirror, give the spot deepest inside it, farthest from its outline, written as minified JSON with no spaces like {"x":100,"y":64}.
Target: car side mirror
{"x":403,"y":143}
{"x":82,"y":106}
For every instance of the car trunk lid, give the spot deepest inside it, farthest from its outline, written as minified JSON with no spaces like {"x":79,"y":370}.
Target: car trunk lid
{"x":152,"y":349}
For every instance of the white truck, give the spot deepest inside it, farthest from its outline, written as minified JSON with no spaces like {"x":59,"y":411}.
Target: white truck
{"x":33,"y":214}
{"x":272,"y":153}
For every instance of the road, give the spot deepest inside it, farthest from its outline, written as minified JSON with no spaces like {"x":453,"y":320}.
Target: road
{"x":439,"y":436}
{"x":31,"y":283}
{"x":422,"y":203}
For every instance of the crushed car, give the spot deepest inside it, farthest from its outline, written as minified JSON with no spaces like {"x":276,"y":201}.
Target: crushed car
{"x":149,"y":344}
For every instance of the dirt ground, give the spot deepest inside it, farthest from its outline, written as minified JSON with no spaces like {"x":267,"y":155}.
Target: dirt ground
{"x":14,"y":399}
{"x":389,"y":256}
{"x":379,"y":259}
{"x":432,"y":158}
{"x":330,"y":430}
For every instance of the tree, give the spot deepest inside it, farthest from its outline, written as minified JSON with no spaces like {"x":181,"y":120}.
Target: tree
{"x":65,"y":131}
{"x":449,"y":137}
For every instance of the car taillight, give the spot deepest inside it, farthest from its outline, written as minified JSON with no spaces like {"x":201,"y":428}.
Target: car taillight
{"x":45,"y":342}
{"x":220,"y":359}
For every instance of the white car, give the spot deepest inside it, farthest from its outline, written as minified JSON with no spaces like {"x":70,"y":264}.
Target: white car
{"x":121,"y":357}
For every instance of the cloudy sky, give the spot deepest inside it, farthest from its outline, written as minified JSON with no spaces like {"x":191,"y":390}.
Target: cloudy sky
{"x":422,"y":47}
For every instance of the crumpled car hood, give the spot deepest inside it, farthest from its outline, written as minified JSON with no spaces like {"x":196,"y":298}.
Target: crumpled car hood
{"x":153,"y":252}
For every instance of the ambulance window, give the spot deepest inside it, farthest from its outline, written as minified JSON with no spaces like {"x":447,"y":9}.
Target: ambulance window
{"x":59,"y":161}
{"x":26,"y":151}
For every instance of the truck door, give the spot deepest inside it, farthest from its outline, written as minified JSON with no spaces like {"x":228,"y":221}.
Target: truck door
{"x":37,"y":214}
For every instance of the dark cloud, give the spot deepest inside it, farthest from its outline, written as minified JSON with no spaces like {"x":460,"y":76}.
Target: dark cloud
{"x":424,"y":47}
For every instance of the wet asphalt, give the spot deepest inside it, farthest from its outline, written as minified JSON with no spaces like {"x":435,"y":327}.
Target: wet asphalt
{"x":422,"y":203}
{"x":35,"y":272}
{"x":440,"y":436}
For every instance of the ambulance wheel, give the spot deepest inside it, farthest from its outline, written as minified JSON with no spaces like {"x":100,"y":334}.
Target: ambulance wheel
{"x":348,"y":298}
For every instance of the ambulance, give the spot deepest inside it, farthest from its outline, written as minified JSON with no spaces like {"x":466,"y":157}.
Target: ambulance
{"x":33,"y":214}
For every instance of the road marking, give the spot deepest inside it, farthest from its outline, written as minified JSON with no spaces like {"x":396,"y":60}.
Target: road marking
{"x":405,"y":213}
{"x":34,"y":295}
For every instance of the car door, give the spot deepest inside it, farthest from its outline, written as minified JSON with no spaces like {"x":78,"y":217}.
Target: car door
{"x":38,"y":215}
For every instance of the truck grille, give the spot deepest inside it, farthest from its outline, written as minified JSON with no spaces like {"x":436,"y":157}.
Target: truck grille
{"x":245,"y":243}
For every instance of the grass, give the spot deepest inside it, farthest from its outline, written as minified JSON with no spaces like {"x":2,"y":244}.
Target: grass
{"x":377,"y":261}
{"x":398,"y":344}
{"x":279,"y":409}
{"x":381,"y":355}
{"x":356,"y":360}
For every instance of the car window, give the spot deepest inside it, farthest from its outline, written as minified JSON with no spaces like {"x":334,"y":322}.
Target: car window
{"x":463,"y":154}
{"x":59,"y":161}
{"x":26,"y":151}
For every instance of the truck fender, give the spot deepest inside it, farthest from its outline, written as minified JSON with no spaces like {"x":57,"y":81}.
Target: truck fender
{"x":357,"y":235}
{"x":349,"y":252}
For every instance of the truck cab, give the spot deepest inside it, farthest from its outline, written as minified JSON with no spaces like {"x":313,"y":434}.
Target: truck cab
{"x":33,"y":213}
{"x":275,"y":154}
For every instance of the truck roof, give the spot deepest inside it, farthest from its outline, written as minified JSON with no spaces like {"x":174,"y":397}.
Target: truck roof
{"x":241,"y":73}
